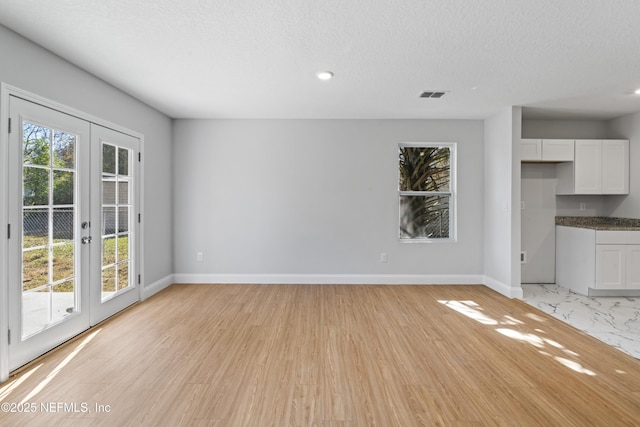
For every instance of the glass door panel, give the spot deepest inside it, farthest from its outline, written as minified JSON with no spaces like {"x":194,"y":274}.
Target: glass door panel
{"x":49,"y":211}
{"x":116,"y":176}
{"x":46,"y":202}
{"x":115,"y":208}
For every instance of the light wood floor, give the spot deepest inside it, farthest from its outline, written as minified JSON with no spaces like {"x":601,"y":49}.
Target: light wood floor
{"x":279,"y":355}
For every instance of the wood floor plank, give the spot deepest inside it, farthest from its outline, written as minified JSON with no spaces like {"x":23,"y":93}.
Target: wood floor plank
{"x":329,"y":355}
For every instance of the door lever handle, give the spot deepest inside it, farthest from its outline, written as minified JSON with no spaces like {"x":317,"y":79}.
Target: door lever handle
{"x":86,"y":240}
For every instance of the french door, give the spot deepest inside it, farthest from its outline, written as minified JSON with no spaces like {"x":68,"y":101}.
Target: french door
{"x":114,"y":222}
{"x":73,"y":227}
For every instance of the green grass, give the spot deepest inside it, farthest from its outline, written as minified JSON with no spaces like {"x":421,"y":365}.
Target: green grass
{"x":36,"y":263}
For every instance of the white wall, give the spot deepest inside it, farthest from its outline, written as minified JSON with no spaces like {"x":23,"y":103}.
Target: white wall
{"x":564,"y":129}
{"x":516,"y":196}
{"x":34,"y":69}
{"x":313,"y":197}
{"x":628,"y":127}
{"x":502,"y":201}
{"x":538,"y":222}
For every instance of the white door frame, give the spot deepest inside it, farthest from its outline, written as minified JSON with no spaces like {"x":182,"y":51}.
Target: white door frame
{"x":6,"y":91}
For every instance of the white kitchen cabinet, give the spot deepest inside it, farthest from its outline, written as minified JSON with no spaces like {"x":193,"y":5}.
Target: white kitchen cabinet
{"x":615,"y":166}
{"x":633,"y":267}
{"x":617,"y":266}
{"x":611,"y":264}
{"x":530,"y":149}
{"x":546,"y":150}
{"x":575,"y":258}
{"x":599,"y":167}
{"x":557,"y":150}
{"x":590,"y":262}
{"x":588,"y":167}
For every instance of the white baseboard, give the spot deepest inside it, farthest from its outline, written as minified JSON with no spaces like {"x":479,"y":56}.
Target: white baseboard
{"x":503,"y":288}
{"x":157,"y":286}
{"x":335,"y":279}
{"x":331,"y":279}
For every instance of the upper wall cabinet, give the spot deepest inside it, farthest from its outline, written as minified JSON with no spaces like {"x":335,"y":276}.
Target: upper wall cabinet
{"x":546,"y":150}
{"x":530,"y":150}
{"x":599,"y":167}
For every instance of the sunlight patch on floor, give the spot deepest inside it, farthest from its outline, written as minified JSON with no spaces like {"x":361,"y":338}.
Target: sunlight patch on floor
{"x":575,"y":366}
{"x":535,"y":317}
{"x":6,"y":390}
{"x":473,"y":310}
{"x":58,"y":368}
{"x":532,"y":339}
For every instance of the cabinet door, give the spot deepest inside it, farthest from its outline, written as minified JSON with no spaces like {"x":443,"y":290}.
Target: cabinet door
{"x":557,"y":150}
{"x":615,"y":166}
{"x":530,"y":149}
{"x":610,"y":266}
{"x":633,"y":267}
{"x":588,"y":166}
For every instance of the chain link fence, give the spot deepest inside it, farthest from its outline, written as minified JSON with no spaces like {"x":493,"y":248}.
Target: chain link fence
{"x":36,"y":223}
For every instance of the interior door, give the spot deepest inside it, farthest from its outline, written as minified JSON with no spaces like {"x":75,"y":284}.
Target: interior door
{"x":114,"y":219}
{"x":73,"y":214}
{"x":48,"y":264}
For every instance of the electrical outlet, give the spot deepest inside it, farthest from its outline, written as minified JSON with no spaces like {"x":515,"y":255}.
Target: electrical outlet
{"x":583,"y":206}
{"x":199,"y":256}
{"x":523,"y":257}
{"x":384,"y":257}
{"x":522,"y":205}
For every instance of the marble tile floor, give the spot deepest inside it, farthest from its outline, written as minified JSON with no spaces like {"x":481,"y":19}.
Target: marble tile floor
{"x":614,"y":320}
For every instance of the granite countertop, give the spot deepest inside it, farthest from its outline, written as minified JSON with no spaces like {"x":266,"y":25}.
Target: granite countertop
{"x":599,"y":222}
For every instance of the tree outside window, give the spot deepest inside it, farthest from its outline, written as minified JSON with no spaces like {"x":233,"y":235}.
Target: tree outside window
{"x":426,"y":191}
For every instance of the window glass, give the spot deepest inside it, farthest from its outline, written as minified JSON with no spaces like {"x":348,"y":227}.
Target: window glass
{"x":426,"y":191}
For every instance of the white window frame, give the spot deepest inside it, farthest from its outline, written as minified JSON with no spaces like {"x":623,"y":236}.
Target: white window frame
{"x":452,"y":193}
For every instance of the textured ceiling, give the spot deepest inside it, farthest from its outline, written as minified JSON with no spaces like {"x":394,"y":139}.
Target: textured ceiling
{"x":258,"y":58}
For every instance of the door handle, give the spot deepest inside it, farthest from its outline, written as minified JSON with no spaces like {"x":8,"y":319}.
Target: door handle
{"x":86,"y":240}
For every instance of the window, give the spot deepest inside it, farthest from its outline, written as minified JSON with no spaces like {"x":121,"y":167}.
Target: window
{"x":427,"y":192}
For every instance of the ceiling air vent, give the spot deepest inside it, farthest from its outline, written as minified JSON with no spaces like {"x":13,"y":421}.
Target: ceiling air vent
{"x":433,"y":94}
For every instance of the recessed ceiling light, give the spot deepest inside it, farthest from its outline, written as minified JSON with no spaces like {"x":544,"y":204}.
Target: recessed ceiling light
{"x":324,"y":75}
{"x":637,"y":92}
